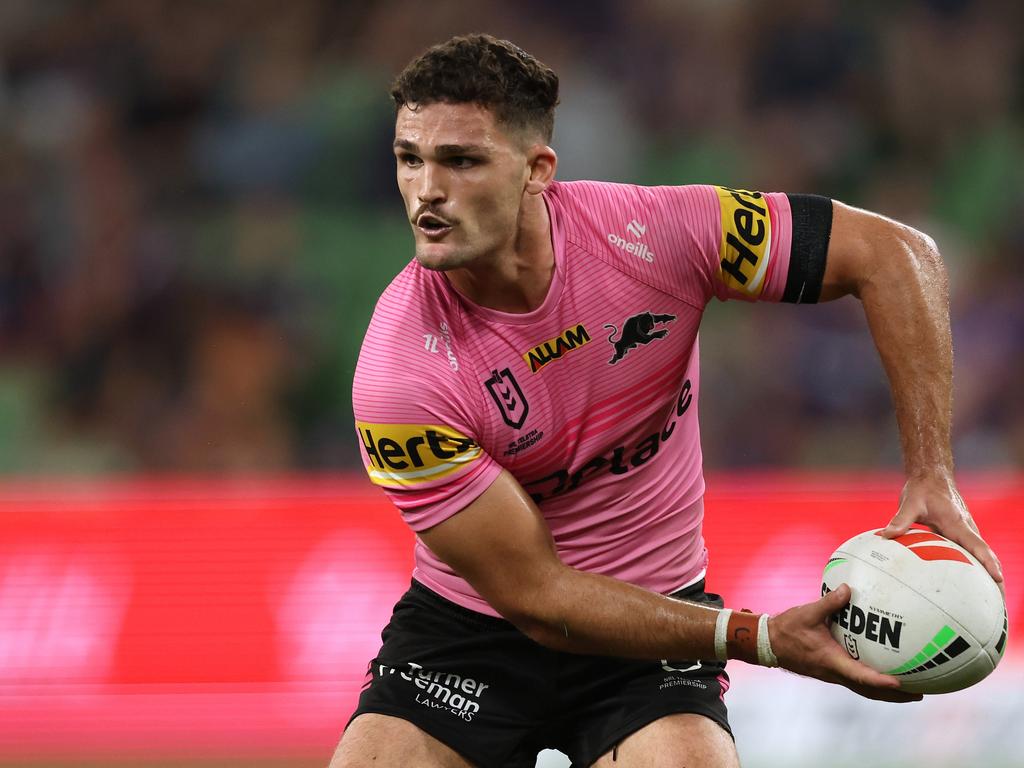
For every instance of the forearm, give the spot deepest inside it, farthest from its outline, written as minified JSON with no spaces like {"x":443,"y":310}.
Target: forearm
{"x":904,"y":289}
{"x":579,"y":612}
{"x":899,"y":276}
{"x":502,"y":546}
{"x":907,"y":307}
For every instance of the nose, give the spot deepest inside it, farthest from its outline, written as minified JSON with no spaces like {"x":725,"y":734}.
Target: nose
{"x":430,"y":188}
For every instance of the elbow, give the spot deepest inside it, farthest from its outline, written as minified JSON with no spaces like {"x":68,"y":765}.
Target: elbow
{"x":537,"y":613}
{"x":923,"y":265}
{"x":904,"y":256}
{"x":535,"y":621}
{"x":921,"y":249}
{"x":551,"y":634}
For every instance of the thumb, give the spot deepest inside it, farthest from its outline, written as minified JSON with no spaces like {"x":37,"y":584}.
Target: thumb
{"x":900,"y":524}
{"x":833,"y":601}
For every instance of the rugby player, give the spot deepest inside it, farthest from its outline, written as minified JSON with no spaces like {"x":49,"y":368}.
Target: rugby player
{"x":526,"y":395}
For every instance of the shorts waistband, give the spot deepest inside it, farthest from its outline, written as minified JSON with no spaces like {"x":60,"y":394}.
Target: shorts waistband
{"x":696,"y":588}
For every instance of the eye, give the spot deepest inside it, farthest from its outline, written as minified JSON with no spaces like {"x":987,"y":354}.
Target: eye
{"x":409,"y":160}
{"x":461,"y":162}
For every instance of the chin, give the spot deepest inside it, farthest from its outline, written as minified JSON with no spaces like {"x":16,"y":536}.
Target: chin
{"x":440,"y":258}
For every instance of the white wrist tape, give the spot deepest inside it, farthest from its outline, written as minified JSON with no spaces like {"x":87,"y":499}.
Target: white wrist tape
{"x":765,"y":655}
{"x":721,"y":629}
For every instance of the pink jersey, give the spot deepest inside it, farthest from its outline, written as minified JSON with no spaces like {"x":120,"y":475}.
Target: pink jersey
{"x":590,"y":400}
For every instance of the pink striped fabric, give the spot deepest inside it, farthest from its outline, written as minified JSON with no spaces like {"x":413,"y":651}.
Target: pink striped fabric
{"x":600,"y":424}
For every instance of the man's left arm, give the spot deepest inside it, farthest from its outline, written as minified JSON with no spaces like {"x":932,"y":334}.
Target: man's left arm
{"x":899,"y":277}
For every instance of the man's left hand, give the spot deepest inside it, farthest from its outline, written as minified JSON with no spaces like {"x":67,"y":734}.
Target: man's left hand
{"x":935,"y":502}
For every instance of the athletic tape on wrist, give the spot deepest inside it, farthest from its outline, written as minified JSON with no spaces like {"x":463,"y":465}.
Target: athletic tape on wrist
{"x":741,"y":636}
{"x":765,"y":654}
{"x":721,"y":626}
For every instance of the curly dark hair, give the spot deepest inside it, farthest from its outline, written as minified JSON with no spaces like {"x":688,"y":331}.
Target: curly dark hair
{"x":480,"y":69}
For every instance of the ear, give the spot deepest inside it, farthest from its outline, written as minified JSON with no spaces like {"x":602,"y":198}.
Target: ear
{"x":542,"y":162}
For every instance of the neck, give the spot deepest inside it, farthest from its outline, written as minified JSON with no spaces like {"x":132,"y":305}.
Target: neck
{"x":517,"y":277}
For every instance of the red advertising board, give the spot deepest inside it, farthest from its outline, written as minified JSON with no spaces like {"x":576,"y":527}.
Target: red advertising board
{"x":214,"y":617}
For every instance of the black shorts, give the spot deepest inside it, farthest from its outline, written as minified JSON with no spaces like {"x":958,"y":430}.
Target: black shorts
{"x":496,"y":697}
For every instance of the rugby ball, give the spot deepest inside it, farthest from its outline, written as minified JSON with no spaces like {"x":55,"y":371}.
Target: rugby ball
{"x":922,"y":609}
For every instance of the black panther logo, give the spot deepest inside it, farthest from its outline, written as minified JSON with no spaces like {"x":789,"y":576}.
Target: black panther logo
{"x":637,"y":330}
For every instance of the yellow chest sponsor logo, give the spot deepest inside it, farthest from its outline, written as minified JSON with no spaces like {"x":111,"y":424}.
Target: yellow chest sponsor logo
{"x":556,"y":348}
{"x":412,"y":454}
{"x":746,"y":240}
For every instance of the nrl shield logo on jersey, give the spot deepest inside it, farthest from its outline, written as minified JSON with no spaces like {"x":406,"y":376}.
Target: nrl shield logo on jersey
{"x":509,"y":397}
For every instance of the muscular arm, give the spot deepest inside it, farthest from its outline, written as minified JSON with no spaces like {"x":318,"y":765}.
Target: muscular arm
{"x":501,"y":545}
{"x":899,"y":277}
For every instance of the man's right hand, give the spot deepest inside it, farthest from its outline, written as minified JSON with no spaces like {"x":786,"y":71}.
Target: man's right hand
{"x":802,"y":642}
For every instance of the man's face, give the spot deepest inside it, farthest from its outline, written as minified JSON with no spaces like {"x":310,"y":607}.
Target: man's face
{"x":462,"y":177}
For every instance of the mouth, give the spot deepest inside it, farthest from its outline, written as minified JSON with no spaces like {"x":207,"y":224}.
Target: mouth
{"x":433,"y":227}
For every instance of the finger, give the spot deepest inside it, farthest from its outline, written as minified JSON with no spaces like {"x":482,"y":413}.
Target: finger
{"x":853,"y":672}
{"x":973,"y":543}
{"x":858,"y":673}
{"x":895,"y":697}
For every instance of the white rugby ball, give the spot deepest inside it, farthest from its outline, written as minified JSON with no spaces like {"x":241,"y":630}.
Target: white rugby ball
{"x":922,"y":609}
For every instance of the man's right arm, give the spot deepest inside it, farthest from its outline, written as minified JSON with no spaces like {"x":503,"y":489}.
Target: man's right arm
{"x":501,"y":545}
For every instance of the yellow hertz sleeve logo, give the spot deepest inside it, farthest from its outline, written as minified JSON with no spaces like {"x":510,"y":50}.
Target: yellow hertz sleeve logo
{"x":746,"y":240}
{"x":412,"y":454}
{"x":553,"y":349}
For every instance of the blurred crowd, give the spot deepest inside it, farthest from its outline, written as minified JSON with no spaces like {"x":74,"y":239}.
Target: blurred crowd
{"x":197,"y":209}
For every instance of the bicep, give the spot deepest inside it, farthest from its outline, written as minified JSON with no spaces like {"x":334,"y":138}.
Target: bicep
{"x":500,"y":543}
{"x":859,"y":244}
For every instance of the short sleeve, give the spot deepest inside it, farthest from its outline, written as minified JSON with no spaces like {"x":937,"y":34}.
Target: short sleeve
{"x":771,"y":246}
{"x":414,"y":422}
{"x":752,"y":246}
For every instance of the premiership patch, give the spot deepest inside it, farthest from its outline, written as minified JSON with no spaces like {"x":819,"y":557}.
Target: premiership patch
{"x":412,"y":454}
{"x":746,"y":240}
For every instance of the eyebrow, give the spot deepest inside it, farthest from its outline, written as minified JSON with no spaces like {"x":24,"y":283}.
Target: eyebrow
{"x":443,"y":150}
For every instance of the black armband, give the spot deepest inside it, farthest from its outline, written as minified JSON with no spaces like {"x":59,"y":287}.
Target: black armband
{"x":812,"y":227}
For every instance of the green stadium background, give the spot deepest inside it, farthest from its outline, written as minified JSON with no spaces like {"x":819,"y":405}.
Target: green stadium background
{"x":197,"y":213}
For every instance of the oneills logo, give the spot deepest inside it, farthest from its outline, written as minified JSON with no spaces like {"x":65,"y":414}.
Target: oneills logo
{"x":746,"y":240}
{"x":554,"y":349}
{"x":411,"y":454}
